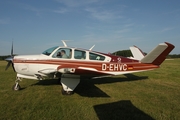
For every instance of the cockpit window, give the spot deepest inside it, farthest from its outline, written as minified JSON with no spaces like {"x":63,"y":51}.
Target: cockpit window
{"x":49,"y":51}
{"x":93,"y":56}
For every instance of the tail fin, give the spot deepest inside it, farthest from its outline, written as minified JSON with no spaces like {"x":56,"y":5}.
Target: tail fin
{"x":137,"y":53}
{"x":158,"y":54}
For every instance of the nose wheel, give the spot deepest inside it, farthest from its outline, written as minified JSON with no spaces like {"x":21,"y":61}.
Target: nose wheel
{"x":16,"y":86}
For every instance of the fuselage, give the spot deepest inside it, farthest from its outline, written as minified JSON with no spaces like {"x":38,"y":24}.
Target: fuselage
{"x":76,"y":61}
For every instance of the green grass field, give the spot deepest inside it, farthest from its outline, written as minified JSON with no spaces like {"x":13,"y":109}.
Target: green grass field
{"x":146,"y":95}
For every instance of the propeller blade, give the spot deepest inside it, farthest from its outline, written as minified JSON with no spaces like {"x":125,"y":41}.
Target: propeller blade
{"x":10,"y":59}
{"x":12,"y":49}
{"x":13,"y":67}
{"x":9,"y":63}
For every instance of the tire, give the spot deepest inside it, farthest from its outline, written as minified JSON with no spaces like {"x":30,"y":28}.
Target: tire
{"x":66,"y":92}
{"x":16,"y":88}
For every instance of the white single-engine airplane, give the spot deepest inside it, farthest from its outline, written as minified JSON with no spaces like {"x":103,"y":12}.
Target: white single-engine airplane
{"x":69,"y":63}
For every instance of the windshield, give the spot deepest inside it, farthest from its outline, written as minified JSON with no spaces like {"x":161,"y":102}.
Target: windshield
{"x":49,"y":51}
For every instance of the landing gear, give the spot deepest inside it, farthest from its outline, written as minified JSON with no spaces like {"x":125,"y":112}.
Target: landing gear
{"x":16,"y":86}
{"x":59,"y":80}
{"x":66,"y":92}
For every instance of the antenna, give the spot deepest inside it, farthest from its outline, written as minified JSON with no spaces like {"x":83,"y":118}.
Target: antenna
{"x":91,"y":47}
{"x":64,"y":43}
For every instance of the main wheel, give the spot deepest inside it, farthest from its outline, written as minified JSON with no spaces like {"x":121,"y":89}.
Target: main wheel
{"x":66,"y":92}
{"x":16,"y":87}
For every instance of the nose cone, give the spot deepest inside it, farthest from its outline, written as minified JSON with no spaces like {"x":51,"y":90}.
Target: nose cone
{"x":9,"y":59}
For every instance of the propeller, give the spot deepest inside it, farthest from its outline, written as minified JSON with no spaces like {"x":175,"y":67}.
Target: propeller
{"x":10,"y":59}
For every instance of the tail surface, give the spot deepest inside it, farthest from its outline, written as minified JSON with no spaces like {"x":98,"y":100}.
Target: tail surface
{"x":137,"y":53}
{"x":158,"y":54}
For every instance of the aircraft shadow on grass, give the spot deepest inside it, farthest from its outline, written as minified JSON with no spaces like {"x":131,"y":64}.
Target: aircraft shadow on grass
{"x":87,"y":86}
{"x":127,"y":78}
{"x":120,"y":110}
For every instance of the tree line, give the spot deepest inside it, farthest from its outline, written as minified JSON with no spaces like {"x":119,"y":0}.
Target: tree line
{"x":127,"y":53}
{"x":4,"y":57}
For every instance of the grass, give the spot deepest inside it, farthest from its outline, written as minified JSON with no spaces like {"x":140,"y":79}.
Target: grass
{"x":146,"y":95}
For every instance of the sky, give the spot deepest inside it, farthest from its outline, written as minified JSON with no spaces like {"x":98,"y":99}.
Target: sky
{"x":111,"y":25}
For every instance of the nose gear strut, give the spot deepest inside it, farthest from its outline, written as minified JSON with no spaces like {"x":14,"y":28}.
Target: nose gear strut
{"x":16,"y":86}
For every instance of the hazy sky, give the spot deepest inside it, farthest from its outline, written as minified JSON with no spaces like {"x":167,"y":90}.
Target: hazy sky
{"x":35,"y":25}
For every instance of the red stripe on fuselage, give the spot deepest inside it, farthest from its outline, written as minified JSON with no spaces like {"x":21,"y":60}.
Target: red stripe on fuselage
{"x":99,"y":66}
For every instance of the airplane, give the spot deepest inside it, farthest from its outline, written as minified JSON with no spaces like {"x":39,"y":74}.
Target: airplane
{"x":70,"y":63}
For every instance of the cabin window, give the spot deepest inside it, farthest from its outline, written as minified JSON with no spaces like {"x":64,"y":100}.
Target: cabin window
{"x":79,"y":54}
{"x":63,"y":53}
{"x":49,"y":51}
{"x":93,"y":56}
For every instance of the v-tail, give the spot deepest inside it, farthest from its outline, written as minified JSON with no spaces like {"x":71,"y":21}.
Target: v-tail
{"x":158,"y":54}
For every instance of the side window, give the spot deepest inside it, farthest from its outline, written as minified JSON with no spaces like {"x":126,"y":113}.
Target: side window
{"x":63,"y":53}
{"x":93,"y":56}
{"x":79,"y":54}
